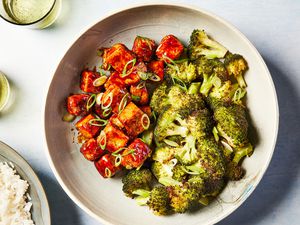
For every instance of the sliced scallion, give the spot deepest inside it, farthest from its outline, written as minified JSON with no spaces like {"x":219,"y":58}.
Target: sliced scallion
{"x":106,"y":112}
{"x":154,"y":77}
{"x":135,"y":98}
{"x":171,"y":143}
{"x":107,"y":172}
{"x":102,"y":140}
{"x":108,"y":98}
{"x":143,"y":75}
{"x":141,"y":85}
{"x":90,"y":102}
{"x":99,"y":98}
{"x":145,"y":121}
{"x":100,"y":81}
{"x":118,"y":160}
{"x":123,"y":103}
{"x":98,"y":122}
{"x":68,"y":117}
{"x":125,"y":72}
{"x":179,"y":82}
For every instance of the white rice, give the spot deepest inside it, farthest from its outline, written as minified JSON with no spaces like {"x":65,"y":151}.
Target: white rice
{"x":14,"y":204}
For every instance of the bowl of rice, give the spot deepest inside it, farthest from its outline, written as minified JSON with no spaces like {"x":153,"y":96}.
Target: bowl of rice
{"x":22,"y":197}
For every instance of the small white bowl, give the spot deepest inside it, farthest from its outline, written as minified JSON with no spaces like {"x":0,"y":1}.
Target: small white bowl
{"x":40,"y":208}
{"x":103,"y":198}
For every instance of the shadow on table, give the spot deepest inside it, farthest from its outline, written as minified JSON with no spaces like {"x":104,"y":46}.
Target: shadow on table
{"x":278,"y":180}
{"x":63,"y":210}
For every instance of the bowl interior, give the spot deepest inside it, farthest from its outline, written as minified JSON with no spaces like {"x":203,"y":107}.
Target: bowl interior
{"x":40,"y":208}
{"x":103,"y":198}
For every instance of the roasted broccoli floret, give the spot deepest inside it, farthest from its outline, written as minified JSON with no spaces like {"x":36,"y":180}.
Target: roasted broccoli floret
{"x":162,"y":170}
{"x":137,"y":179}
{"x":213,"y":73}
{"x":234,"y":172}
{"x":163,"y":154}
{"x":200,"y":123}
{"x":170,"y":123}
{"x":179,"y":173}
{"x":236,"y":65}
{"x":159,"y":201}
{"x":185,"y":71}
{"x":186,"y":196}
{"x":202,"y":45}
{"x":188,"y":153}
{"x":225,"y":92}
{"x":232,"y":124}
{"x":159,"y":99}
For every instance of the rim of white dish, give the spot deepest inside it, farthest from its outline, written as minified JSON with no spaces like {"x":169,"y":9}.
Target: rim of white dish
{"x":220,"y":20}
{"x":39,"y":186}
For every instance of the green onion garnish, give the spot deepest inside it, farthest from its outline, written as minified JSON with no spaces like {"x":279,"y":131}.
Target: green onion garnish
{"x":100,"y":81}
{"x":216,"y":134}
{"x":118,"y":160}
{"x":68,"y":117}
{"x":118,"y":151}
{"x":135,"y":98}
{"x":141,"y":85}
{"x":171,"y":143}
{"x":123,"y":103}
{"x":238,"y":95}
{"x":181,"y":60}
{"x":154,"y":77}
{"x":129,"y":152}
{"x":179,"y":83}
{"x":145,"y":121}
{"x":102,"y":140}
{"x":108,"y":97}
{"x":107,"y":172}
{"x":106,"y":112}
{"x":154,"y":115}
{"x":98,"y":122}
{"x":125,"y":72}
{"x":90,"y":102}
{"x":143,"y":75}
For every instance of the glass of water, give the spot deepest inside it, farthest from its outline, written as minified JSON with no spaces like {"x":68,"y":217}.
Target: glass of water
{"x":35,"y":14}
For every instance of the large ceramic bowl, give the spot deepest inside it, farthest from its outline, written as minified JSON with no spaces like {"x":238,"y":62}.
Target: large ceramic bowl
{"x":40,"y":208}
{"x":103,"y":198}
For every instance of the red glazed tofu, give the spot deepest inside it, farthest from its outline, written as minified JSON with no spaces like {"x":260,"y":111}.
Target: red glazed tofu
{"x":131,"y":117}
{"x":118,"y":56}
{"x":146,"y":109}
{"x":113,"y":96}
{"x":106,"y":166}
{"x":76,"y":104}
{"x":115,"y":138}
{"x":91,"y":150}
{"x":87,"y":80}
{"x":157,"y":67}
{"x":169,"y":46}
{"x":136,"y":154}
{"x":144,"y":48}
{"x":139,"y":94}
{"x":115,"y":80}
{"x":114,"y":120}
{"x":85,"y":128}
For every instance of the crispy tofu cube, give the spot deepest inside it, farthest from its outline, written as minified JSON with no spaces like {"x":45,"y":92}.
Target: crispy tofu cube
{"x":115,"y":80}
{"x":169,"y":46}
{"x":118,"y":56}
{"x":91,"y":150}
{"x":87,"y":79}
{"x":139,"y":95}
{"x":144,"y":48}
{"x":115,"y":138}
{"x":131,"y":117}
{"x":157,"y":67}
{"x":76,"y":104}
{"x":136,"y":154}
{"x":106,"y":166}
{"x":113,"y":96}
{"x":85,"y":128}
{"x":114,"y":120}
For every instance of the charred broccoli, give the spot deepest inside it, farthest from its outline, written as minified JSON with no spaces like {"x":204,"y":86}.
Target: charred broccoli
{"x":137,"y":179}
{"x":202,"y":45}
{"x":159,"y":99}
{"x":236,"y":65}
{"x":232,"y":124}
{"x":185,"y":71}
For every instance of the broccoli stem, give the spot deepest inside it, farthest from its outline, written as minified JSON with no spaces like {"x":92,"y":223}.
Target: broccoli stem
{"x":208,"y":83}
{"x":143,"y":196}
{"x":194,"y":88}
{"x":241,"y":81}
{"x":240,"y":153}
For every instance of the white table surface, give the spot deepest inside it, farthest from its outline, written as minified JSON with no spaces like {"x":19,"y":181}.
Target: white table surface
{"x":29,"y":57}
